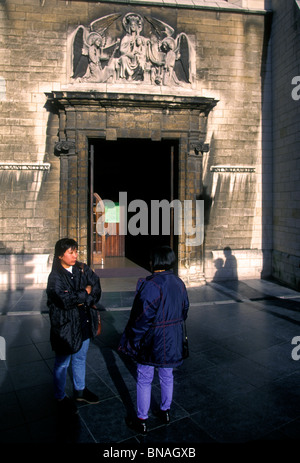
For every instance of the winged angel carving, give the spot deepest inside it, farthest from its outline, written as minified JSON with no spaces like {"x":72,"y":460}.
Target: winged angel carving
{"x":161,"y":59}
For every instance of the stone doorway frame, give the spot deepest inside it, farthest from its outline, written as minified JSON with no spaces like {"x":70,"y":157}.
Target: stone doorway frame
{"x":139,"y":149}
{"x":92,"y":114}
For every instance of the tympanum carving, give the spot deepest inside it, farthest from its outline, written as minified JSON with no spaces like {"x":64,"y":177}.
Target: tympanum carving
{"x":101,"y":54}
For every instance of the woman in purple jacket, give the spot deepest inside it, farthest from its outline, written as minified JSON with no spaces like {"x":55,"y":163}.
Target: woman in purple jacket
{"x":154,"y":334}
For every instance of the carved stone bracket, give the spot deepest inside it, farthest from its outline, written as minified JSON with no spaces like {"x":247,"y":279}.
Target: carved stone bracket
{"x":198,"y":147}
{"x":64,"y":148}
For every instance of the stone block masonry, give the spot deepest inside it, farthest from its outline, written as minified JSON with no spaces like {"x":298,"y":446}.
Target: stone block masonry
{"x":286,"y":163}
{"x":229,"y":54}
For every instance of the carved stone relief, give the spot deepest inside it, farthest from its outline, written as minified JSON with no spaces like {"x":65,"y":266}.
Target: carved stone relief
{"x":100,"y":54}
{"x":64,"y":147}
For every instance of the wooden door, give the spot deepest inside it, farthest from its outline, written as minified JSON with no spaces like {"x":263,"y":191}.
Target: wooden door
{"x":107,"y":241}
{"x":98,"y":236}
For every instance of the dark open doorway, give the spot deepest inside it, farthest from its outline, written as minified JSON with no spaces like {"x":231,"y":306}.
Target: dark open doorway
{"x":146,"y":170}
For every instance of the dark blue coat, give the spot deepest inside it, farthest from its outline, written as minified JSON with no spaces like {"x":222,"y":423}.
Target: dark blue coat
{"x":154,"y":332}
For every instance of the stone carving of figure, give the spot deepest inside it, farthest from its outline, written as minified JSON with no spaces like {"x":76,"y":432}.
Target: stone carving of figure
{"x":168,"y":47}
{"x":90,"y":51}
{"x":159,"y":59}
{"x":94,"y":71}
{"x":132,"y":49}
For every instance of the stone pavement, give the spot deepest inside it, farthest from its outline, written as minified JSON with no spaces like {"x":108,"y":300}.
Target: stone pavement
{"x":239,"y":385}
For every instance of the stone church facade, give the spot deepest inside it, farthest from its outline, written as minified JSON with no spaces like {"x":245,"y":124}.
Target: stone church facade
{"x":179,"y":101}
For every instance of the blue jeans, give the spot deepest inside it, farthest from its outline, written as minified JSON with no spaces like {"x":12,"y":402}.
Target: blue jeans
{"x":145,"y":374}
{"x":61,"y":365}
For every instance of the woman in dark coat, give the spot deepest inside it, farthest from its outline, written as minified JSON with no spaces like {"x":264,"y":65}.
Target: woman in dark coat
{"x":72,"y":289}
{"x":154,"y":333}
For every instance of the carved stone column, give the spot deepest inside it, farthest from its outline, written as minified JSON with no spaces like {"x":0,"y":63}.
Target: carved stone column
{"x":192,"y":271}
{"x":65,"y":150}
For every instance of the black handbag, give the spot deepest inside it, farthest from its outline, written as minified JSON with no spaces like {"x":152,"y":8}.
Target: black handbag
{"x":185,"y":343}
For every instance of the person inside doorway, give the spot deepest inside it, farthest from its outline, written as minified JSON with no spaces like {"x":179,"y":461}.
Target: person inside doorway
{"x":72,"y":290}
{"x":153,"y":335}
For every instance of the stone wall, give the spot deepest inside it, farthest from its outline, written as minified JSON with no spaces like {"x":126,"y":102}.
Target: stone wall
{"x":238,"y":200}
{"x":286,"y":108}
{"x":231,"y":67}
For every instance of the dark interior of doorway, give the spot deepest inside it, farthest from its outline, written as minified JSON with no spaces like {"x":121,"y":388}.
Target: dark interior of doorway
{"x":146,"y":170}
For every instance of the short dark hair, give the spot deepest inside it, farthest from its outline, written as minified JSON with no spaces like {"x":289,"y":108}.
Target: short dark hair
{"x":60,"y":248}
{"x":63,"y":244}
{"x":162,"y":258}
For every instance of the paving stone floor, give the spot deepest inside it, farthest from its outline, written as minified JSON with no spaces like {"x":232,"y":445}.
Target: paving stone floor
{"x":239,"y":385}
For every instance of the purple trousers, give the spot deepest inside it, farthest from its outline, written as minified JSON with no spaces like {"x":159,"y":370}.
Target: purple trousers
{"x":145,"y":374}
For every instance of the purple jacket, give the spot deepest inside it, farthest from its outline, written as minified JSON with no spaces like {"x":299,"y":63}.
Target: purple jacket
{"x":154,"y":332}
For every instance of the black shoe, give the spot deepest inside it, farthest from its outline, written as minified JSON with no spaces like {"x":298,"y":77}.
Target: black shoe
{"x":86,"y":396}
{"x":163,"y":415}
{"x":137,"y":424}
{"x":66,"y":407}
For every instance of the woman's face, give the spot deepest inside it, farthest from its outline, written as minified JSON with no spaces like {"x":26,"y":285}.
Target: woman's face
{"x":133,"y":24}
{"x":68,"y":259}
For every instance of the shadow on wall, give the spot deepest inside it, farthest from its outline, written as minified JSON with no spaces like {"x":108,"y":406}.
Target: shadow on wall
{"x":226,"y":269}
{"x":12,"y":264}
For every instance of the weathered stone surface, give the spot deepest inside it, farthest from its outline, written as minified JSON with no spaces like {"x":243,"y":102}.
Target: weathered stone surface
{"x":40,"y":107}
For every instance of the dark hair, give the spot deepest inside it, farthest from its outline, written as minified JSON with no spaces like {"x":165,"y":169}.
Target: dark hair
{"x":162,"y":258}
{"x":60,"y":248}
